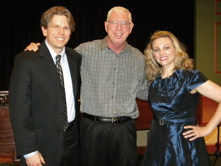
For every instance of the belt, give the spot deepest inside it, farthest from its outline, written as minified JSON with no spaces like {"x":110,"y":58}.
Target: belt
{"x":121,"y":119}
{"x":163,"y":121}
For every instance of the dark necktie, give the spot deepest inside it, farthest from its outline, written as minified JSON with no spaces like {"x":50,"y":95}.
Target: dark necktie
{"x":60,"y":74}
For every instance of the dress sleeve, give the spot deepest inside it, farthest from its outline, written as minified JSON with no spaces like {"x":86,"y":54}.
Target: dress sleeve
{"x":195,"y":79}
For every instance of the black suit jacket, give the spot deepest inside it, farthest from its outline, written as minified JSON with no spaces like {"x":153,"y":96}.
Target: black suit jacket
{"x":36,"y":101}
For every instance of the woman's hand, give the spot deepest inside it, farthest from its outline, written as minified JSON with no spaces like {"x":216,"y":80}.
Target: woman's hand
{"x":195,"y":132}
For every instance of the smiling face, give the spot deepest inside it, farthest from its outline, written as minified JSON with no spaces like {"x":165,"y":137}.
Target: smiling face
{"x":58,"y":33}
{"x":164,"y":52}
{"x":117,"y":34}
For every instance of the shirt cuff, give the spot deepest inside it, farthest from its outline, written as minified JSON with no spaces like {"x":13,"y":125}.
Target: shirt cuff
{"x":30,"y":154}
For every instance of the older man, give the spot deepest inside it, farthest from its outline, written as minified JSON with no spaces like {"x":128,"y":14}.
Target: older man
{"x":113,"y":76}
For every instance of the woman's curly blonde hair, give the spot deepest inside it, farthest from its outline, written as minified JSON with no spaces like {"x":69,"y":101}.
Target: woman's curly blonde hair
{"x":182,"y":61}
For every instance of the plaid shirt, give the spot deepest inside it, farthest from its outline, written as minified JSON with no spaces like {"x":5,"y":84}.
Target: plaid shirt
{"x":110,"y":82}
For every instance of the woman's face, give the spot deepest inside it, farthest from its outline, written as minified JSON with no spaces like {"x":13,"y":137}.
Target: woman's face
{"x":164,"y":52}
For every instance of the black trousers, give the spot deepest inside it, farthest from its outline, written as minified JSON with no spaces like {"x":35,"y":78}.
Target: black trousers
{"x":70,"y":155}
{"x":107,"y":144}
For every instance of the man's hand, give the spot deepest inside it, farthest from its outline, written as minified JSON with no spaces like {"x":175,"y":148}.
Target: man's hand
{"x":35,"y":160}
{"x":32,"y":47}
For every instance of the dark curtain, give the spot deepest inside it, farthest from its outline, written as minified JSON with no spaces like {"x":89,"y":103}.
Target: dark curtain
{"x":20,"y":22}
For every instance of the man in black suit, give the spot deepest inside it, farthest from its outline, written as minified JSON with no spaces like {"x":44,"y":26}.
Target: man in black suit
{"x":39,"y":105}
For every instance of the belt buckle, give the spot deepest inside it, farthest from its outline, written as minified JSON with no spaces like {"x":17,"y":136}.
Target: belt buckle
{"x":114,"y":120}
{"x":161,"y":122}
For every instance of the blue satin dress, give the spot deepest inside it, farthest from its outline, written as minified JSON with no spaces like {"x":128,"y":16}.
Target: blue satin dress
{"x":174,"y":107}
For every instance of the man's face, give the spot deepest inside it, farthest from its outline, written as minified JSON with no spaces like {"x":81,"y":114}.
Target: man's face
{"x":58,"y":33}
{"x":117,"y":33}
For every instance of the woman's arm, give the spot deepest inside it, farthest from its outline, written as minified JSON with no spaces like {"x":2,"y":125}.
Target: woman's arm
{"x":212,"y":91}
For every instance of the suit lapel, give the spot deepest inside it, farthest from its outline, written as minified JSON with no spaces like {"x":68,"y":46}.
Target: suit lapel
{"x":48,"y":62}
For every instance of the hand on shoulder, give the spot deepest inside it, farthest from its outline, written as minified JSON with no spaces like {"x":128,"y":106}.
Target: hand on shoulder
{"x":32,"y":47}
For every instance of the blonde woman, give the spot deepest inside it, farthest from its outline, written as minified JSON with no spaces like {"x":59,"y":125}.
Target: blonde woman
{"x":173,"y":95}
